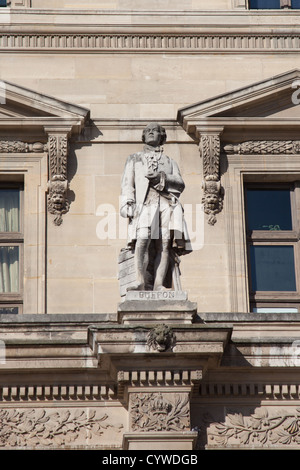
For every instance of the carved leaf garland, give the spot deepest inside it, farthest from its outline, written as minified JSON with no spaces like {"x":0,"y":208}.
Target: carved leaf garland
{"x":38,"y":427}
{"x":260,"y":429}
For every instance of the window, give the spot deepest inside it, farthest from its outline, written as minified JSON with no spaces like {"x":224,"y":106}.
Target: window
{"x":11,"y":248}
{"x":272,"y":246}
{"x":273,"y":4}
{"x":3,"y":3}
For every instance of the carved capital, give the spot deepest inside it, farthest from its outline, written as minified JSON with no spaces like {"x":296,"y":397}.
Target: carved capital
{"x":58,"y":185}
{"x":209,"y":147}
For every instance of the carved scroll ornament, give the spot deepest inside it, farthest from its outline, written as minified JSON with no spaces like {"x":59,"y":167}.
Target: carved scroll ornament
{"x":209,"y":147}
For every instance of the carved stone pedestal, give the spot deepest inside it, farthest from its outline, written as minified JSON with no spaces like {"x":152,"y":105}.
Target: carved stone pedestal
{"x":157,"y":307}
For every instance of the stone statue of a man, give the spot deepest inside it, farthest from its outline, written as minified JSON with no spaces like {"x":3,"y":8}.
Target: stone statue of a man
{"x":151,"y":186}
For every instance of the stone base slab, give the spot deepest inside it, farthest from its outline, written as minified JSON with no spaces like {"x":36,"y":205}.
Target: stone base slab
{"x":152,"y":317}
{"x":160,"y":441}
{"x":156,"y":307}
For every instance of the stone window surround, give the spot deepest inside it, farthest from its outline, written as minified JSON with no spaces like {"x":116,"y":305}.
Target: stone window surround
{"x":243,"y":169}
{"x":14,"y":239}
{"x":15,"y":167}
{"x":271,"y":238}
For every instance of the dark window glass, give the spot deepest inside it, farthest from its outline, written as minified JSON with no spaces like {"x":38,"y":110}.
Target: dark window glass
{"x":295,"y":3}
{"x":3,"y":3}
{"x":268,"y":209}
{"x":9,"y":310}
{"x":264,"y":4}
{"x":272,"y":268}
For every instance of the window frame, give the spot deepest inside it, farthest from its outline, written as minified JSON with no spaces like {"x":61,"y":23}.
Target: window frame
{"x":284,"y":5}
{"x":14,"y":299}
{"x":275,"y":238}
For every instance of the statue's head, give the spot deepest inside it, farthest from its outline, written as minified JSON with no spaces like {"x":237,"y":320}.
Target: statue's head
{"x":154,"y":134}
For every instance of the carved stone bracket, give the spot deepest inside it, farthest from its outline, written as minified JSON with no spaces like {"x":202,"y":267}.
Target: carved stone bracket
{"x":58,"y":184}
{"x":209,"y":146}
{"x":264,"y":147}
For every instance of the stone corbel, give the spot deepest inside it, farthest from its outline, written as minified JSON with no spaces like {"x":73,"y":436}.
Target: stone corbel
{"x":58,"y":184}
{"x":209,"y":147}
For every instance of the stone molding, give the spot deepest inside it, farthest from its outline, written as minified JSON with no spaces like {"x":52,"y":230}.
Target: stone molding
{"x":150,"y":42}
{"x":164,"y":377}
{"x":288,"y":391}
{"x":22,"y":393}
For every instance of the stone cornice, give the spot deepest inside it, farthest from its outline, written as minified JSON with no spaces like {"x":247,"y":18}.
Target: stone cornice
{"x":150,"y":41}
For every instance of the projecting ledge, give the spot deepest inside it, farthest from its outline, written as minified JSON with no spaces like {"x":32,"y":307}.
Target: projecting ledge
{"x":160,"y":440}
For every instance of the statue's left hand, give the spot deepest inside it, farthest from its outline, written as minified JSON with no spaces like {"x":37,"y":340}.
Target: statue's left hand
{"x":154,"y":178}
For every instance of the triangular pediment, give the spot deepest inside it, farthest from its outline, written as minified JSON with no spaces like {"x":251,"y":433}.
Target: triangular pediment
{"x":19,"y":103}
{"x":276,"y":97}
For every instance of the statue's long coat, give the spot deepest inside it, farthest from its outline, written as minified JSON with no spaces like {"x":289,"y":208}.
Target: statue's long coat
{"x":135,"y":187}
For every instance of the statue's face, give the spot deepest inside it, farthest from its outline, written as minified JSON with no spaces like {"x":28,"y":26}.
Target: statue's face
{"x":152,"y":135}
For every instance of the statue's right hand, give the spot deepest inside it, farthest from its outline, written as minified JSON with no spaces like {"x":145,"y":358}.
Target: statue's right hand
{"x":130,"y":209}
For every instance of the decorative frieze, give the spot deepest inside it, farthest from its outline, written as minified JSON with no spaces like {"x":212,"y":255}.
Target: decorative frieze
{"x":264,"y":147}
{"x":159,"y":412}
{"x":150,"y":42}
{"x":38,"y":427}
{"x":265,"y":428}
{"x":18,"y":146}
{"x":209,"y":147}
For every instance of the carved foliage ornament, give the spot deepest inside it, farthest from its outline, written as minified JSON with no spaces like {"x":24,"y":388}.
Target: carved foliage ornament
{"x":38,"y":427}
{"x":58,"y":185}
{"x":17,"y":146}
{"x":209,"y":147}
{"x":264,"y":147}
{"x":260,"y":429}
{"x":156,"y":412}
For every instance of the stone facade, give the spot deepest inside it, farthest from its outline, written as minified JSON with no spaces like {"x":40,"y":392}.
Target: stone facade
{"x":81,"y":367}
